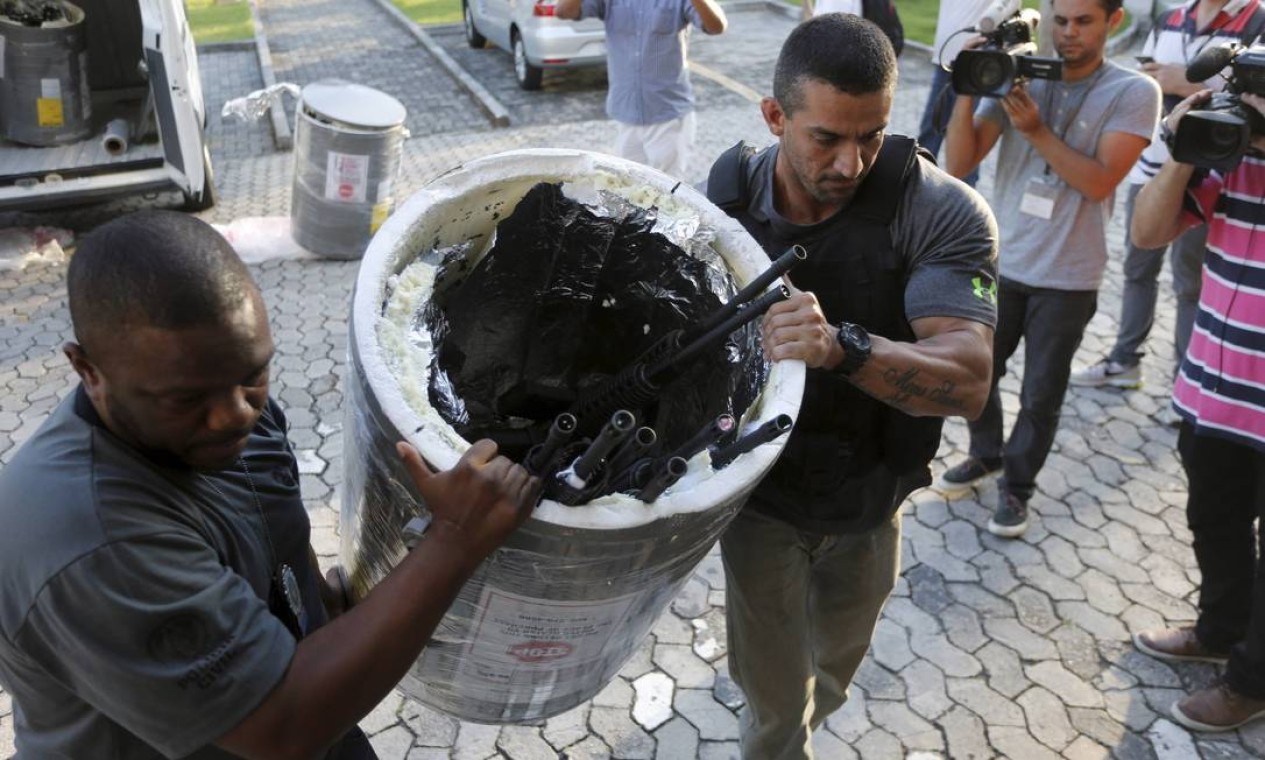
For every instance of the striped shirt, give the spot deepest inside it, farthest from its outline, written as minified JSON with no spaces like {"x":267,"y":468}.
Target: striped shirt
{"x":1175,"y":40}
{"x":1221,"y":386}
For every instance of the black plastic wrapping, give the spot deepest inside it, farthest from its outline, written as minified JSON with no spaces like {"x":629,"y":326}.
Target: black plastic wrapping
{"x":564,"y":300}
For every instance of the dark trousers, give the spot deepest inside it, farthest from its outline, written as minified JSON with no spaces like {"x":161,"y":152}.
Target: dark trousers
{"x":1141,"y":289}
{"x":1051,"y":323}
{"x":1224,"y":507}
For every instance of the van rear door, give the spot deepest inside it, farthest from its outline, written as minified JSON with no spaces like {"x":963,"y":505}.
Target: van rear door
{"x":179,"y":110}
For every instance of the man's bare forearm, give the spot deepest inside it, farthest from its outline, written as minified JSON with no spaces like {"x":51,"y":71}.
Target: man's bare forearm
{"x":960,"y":157}
{"x":943,"y":375}
{"x":1157,"y":212}
{"x":712,"y":16}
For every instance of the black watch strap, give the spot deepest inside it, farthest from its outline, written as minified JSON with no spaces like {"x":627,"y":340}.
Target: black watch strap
{"x":855,"y":342}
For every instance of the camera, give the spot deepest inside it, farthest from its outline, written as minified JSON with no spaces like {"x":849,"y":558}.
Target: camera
{"x":1006,"y":55}
{"x":1218,"y":133}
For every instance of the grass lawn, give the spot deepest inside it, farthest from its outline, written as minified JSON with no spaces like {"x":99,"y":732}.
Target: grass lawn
{"x":918,"y":16}
{"x":213,"y":22}
{"x":431,"y":11}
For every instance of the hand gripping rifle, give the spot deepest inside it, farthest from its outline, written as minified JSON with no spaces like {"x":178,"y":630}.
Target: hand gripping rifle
{"x":640,"y":383}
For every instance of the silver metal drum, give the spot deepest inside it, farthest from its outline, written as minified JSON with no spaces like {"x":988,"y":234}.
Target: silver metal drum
{"x":347,"y":146}
{"x":44,"y":97}
{"x":552,"y":616}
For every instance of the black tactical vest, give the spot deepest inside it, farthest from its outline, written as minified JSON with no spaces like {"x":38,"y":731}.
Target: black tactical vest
{"x":826,"y":476}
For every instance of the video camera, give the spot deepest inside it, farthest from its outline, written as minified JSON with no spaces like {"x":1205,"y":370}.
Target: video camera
{"x":1218,"y":133}
{"x":1007,"y":55}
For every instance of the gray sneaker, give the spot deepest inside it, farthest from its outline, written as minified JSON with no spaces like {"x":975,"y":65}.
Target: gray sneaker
{"x":1011,"y":518}
{"x":1108,"y":373}
{"x":962,"y":477}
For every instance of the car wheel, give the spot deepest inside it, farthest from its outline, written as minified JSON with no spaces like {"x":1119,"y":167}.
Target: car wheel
{"x":528,"y":76}
{"x":473,"y":37}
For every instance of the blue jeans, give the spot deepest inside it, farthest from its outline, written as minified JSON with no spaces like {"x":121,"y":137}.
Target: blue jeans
{"x":935,"y":117}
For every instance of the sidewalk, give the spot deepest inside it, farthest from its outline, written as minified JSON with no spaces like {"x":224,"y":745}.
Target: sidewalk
{"x":989,"y":648}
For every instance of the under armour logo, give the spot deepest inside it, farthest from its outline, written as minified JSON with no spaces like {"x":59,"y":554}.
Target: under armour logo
{"x":985,"y":292}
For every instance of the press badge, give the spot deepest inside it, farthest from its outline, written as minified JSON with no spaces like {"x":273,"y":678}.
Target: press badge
{"x":1038,"y":199}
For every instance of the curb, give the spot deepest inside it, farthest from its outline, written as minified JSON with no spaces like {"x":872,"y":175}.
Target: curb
{"x":229,"y":46}
{"x":495,"y":110}
{"x":282,"y":136}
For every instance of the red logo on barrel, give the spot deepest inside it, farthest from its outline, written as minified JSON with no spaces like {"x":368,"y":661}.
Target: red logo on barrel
{"x":541,"y":651}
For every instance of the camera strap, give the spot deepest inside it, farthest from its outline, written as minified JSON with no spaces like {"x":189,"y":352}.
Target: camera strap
{"x":1048,"y":109}
{"x":1247,"y":35}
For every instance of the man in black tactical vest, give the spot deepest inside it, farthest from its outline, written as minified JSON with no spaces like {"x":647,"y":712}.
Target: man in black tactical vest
{"x":893,"y":317}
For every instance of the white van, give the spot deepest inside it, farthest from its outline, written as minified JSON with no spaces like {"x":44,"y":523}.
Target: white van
{"x":142,"y":68}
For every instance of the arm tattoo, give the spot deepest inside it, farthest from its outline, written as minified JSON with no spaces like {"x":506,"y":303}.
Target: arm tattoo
{"x":907,"y":387}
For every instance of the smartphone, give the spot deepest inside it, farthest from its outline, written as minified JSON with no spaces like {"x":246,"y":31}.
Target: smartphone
{"x":1143,"y":59}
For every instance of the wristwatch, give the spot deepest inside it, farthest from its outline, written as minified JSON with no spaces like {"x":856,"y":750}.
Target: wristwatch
{"x":855,"y":342}
{"x":1167,"y":135}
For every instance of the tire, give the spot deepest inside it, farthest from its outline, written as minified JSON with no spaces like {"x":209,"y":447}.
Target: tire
{"x":476,"y":40}
{"x":206,"y":197}
{"x":528,"y":76}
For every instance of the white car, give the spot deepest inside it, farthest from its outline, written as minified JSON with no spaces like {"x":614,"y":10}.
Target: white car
{"x":537,"y":39}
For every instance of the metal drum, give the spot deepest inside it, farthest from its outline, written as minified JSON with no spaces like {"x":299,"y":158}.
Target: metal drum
{"x":44,"y":96}
{"x":347,"y":147}
{"x":553,"y":615}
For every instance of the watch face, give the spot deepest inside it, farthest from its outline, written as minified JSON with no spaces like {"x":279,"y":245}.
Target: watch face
{"x":854,"y":337}
{"x":855,"y":341}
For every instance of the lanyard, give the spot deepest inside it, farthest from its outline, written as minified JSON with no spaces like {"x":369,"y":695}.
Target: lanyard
{"x":1190,"y":31}
{"x":1048,"y":108}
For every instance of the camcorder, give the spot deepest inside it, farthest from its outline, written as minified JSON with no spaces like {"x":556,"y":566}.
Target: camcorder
{"x":1006,"y":57}
{"x":1217,"y":134}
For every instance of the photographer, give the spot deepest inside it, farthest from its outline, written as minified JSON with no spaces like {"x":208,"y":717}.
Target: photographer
{"x":1178,"y":37}
{"x":1065,"y":145}
{"x":1222,"y":438}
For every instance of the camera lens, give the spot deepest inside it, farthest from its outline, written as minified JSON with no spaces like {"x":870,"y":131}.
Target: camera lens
{"x":988,"y":73}
{"x":1223,"y":139}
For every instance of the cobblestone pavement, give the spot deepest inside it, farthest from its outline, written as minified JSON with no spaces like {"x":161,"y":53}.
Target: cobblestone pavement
{"x":988,"y":648}
{"x":355,"y":39}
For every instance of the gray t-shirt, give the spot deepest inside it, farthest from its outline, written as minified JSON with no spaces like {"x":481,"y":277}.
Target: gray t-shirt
{"x":943,"y":229}
{"x":133,"y":618}
{"x":1067,"y":251}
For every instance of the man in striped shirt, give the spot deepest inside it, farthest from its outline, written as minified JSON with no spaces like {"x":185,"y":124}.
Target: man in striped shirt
{"x":1220,"y":396}
{"x":1179,"y":36}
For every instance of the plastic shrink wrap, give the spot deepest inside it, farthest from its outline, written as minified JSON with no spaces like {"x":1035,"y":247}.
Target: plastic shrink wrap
{"x":554,"y":614}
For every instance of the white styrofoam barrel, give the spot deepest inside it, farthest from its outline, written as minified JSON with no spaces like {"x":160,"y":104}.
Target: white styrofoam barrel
{"x":553,"y":615}
{"x":347,"y":146}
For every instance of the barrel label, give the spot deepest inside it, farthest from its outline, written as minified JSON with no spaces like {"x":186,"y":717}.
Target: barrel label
{"x":515,"y":635}
{"x":346,"y":177}
{"x":50,"y":89}
{"x":49,"y":112}
{"x":381,"y":210}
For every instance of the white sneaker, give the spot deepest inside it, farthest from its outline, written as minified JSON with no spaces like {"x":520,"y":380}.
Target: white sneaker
{"x":1109,"y":373}
{"x":1168,"y":417}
